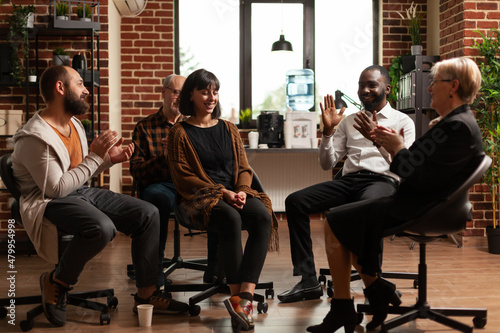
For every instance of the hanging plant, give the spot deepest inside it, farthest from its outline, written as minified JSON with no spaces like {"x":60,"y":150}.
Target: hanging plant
{"x":18,"y":38}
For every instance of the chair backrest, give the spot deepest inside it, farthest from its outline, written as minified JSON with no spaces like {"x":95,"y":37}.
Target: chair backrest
{"x":186,"y":222}
{"x":448,"y":216}
{"x":10,"y":182}
{"x":8,"y":176}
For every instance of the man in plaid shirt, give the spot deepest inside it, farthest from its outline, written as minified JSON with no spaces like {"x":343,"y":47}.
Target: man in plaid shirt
{"x":148,"y":164}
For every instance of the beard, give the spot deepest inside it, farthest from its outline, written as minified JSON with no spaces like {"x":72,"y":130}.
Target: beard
{"x":371,"y":106}
{"x":74,"y":105}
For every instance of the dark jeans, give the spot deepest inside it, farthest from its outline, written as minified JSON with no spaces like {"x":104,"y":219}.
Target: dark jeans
{"x":162,"y":196}
{"x":93,"y":216}
{"x":242,"y":266}
{"x":319,"y":198}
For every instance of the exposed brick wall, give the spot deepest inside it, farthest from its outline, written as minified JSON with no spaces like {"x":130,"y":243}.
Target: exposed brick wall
{"x":395,"y":37}
{"x":147,"y":58}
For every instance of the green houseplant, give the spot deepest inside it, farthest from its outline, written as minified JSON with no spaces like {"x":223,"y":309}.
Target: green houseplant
{"x":84,"y":12}
{"x":413,"y":21}
{"x":17,"y":37}
{"x":62,"y":11}
{"x":60,"y":57}
{"x":245,"y":117}
{"x":487,"y":108}
{"x":395,"y":72}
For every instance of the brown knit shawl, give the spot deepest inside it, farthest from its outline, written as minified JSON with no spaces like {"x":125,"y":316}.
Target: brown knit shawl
{"x":198,"y":191}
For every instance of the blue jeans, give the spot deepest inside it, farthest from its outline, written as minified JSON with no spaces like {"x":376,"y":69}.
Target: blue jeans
{"x":162,"y":196}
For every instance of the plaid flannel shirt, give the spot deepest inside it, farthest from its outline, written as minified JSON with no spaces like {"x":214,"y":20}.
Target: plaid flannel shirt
{"x":148,"y":164}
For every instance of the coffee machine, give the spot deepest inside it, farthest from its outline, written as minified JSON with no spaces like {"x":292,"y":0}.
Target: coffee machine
{"x":270,"y":127}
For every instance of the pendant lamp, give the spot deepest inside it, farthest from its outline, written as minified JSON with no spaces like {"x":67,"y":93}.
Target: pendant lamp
{"x":282,"y":44}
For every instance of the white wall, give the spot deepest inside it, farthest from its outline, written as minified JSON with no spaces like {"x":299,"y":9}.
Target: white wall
{"x":115,"y":111}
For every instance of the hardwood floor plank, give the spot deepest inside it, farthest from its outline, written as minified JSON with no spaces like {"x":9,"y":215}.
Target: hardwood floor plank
{"x":457,"y":277}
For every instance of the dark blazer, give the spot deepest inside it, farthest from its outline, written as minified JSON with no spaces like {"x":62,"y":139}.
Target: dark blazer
{"x":437,"y":163}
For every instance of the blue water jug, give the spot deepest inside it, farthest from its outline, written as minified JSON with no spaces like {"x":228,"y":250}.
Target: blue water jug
{"x":300,"y":89}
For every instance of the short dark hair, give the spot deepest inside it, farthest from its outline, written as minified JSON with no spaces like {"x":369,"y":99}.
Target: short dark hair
{"x":382,"y":70}
{"x":199,"y":79}
{"x":49,"y":79}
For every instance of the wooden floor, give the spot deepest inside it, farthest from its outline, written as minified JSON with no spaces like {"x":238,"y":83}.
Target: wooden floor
{"x":458,"y":277}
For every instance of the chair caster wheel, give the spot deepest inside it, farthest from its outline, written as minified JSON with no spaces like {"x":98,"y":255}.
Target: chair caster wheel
{"x":415,"y":284}
{"x":322,"y":279}
{"x":27,"y":325}
{"x":194,"y":310}
{"x":131,"y":272}
{"x":262,"y":307}
{"x":479,"y":322}
{"x":112,"y":302}
{"x":105,"y":319}
{"x":269,"y":293}
{"x":329,"y":292}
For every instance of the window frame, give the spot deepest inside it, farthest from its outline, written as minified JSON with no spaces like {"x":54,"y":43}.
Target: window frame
{"x":246,"y":41}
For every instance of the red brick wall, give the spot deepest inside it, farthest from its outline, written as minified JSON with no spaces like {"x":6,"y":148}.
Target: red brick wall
{"x":147,"y":58}
{"x":395,"y":37}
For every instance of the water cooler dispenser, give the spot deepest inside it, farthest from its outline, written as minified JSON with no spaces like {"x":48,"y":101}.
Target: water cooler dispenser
{"x":300,"y":124}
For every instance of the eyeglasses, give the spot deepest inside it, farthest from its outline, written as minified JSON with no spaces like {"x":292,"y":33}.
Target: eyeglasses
{"x":434,"y":81}
{"x":175,"y":92}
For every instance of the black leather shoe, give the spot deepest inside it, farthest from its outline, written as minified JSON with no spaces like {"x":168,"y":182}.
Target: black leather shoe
{"x":300,"y":292}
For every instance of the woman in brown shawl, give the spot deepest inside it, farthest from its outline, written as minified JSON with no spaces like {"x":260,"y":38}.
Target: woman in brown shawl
{"x":211,"y":173}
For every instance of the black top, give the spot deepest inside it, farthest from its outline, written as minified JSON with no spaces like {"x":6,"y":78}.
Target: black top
{"x":214,"y":148}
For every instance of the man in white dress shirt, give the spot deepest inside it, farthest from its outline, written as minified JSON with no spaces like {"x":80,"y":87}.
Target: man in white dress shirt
{"x":365,"y":173}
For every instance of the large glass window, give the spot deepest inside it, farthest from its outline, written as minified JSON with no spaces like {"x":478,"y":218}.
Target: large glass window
{"x":209,"y":38}
{"x":335,"y":39}
{"x":344,"y":46}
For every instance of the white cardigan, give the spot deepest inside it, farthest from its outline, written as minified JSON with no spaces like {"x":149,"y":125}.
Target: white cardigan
{"x":40,"y":163}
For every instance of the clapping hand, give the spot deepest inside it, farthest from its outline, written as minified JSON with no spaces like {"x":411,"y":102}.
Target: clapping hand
{"x":392,"y":141}
{"x":118,"y":155}
{"x":365,"y":125}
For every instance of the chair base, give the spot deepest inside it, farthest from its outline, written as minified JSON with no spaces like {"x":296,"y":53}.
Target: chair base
{"x":209,"y":289}
{"x":424,"y":311}
{"x":80,"y":299}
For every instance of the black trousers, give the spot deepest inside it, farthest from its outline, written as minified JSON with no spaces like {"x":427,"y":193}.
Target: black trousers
{"x":321,"y":197}
{"x":93,"y":216}
{"x":241,"y":266}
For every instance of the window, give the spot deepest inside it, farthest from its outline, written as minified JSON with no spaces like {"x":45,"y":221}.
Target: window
{"x":334,"y":38}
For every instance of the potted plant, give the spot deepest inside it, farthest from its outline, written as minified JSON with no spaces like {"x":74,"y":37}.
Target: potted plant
{"x":84,"y":12}
{"x":395,"y":72}
{"x":87,"y":124}
{"x":32,"y":75}
{"x":60,"y":57}
{"x":487,"y":108}
{"x":245,"y":118}
{"x":19,"y":21}
{"x":413,"y":21}
{"x":62,"y":11}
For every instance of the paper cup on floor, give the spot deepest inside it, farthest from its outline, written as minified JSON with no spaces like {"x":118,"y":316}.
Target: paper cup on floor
{"x":145,"y":313}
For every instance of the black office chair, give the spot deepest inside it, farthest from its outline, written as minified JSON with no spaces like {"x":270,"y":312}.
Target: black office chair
{"x":219,"y":285}
{"x":176,"y":262}
{"x":80,"y":299}
{"x":355,"y":275}
{"x":446,"y":217}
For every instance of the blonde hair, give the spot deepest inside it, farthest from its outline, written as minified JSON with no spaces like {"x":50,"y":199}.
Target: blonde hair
{"x":465,"y":71}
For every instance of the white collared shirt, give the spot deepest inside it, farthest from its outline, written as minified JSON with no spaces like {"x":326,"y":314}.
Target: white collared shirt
{"x":360,"y":152}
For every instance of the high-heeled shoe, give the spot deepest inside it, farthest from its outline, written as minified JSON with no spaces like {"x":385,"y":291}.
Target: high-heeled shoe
{"x":380,"y":293}
{"x":341,"y":313}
